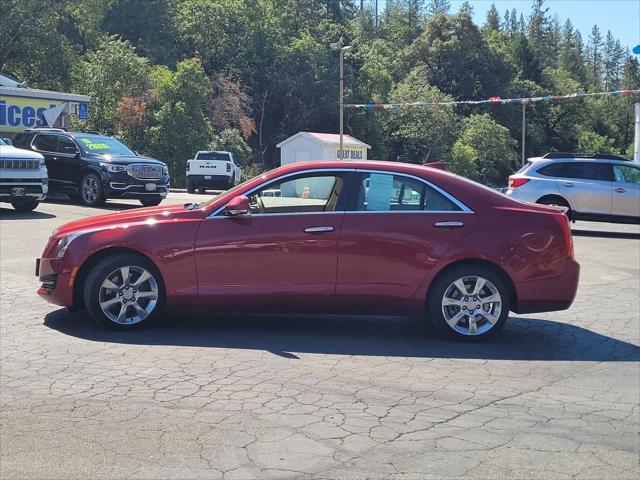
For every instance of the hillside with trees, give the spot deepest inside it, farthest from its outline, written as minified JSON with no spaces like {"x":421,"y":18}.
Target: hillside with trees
{"x":172,"y":77}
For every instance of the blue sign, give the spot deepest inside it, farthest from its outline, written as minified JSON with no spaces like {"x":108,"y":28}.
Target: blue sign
{"x":636,"y":49}
{"x":83,"y":110}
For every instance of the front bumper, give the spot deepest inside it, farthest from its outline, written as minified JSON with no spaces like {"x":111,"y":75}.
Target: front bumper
{"x":57,"y":279}
{"x":549,"y":295}
{"x":122,"y":185}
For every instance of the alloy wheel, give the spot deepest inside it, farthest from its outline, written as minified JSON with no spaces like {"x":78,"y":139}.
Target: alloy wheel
{"x":128,"y":295}
{"x":90,"y":189}
{"x":471,"y":305}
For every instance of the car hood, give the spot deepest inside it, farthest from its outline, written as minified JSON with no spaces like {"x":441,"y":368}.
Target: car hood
{"x":125,"y":159}
{"x":134,"y":216}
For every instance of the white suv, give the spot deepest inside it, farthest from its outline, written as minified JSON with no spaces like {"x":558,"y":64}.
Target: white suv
{"x":594,"y":187}
{"x":23,"y":177}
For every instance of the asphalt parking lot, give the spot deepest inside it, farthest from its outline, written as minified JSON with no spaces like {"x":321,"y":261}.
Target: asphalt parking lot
{"x":236,"y":397}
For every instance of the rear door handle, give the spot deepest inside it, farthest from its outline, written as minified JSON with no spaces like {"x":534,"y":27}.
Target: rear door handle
{"x":318,"y":229}
{"x":568,"y":184}
{"x":620,"y":190}
{"x":448,"y":224}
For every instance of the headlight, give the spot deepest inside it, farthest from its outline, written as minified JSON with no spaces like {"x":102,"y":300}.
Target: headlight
{"x":165,"y":169}
{"x":64,"y":243}
{"x":113,"y":168}
{"x":41,"y":163}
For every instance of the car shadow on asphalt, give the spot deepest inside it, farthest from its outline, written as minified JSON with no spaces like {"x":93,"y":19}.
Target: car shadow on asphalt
{"x":286,"y":335}
{"x":11,"y":214}
{"x":109,"y":205}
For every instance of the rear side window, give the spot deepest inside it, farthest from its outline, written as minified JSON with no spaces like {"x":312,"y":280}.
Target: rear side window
{"x":578,"y":170}
{"x":45,"y":143}
{"x":626,"y":174}
{"x":380,"y":192}
{"x":214,"y":156}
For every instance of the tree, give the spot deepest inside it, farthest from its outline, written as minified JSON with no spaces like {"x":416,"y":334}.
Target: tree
{"x":229,"y":106}
{"x":438,"y":7}
{"x":594,"y":54}
{"x":463,"y":160}
{"x":179,"y":126}
{"x":108,"y":74}
{"x":230,"y":140}
{"x":493,"y":19}
{"x":491,"y":146}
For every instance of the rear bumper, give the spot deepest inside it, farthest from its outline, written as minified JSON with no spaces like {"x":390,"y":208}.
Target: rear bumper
{"x":549,"y":295}
{"x":213,"y":182}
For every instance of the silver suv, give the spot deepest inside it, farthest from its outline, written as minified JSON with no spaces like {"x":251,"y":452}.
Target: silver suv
{"x":594,"y":187}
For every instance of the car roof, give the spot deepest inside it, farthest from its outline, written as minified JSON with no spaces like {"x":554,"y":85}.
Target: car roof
{"x":620,"y":160}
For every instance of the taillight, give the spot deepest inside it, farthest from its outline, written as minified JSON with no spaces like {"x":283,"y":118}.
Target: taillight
{"x":228,"y":167}
{"x":568,"y":237}
{"x":515,"y":182}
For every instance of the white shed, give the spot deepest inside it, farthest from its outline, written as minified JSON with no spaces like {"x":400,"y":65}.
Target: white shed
{"x":310,"y":146}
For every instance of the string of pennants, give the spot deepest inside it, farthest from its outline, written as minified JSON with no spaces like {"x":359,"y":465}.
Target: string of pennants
{"x":491,"y":100}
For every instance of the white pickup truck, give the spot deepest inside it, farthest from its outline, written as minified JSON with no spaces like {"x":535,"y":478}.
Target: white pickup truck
{"x":23,"y":177}
{"x":213,"y":170}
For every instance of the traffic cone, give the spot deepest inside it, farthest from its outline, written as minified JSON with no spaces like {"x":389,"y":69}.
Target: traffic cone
{"x":306,"y":192}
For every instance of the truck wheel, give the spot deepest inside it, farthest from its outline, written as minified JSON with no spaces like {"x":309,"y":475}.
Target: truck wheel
{"x":191,"y":188}
{"x":91,"y":191}
{"x":24,"y":204}
{"x":202,"y":190}
{"x":150,"y":202}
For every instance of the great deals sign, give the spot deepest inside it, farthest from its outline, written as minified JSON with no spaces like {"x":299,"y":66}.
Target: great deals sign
{"x":19,"y":113}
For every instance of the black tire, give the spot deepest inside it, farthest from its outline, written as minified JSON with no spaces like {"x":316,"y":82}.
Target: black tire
{"x":25,"y":204}
{"x":91,"y":191}
{"x":558,"y":202}
{"x":104,"y":270}
{"x":444,"y":284}
{"x":150,"y":202}
{"x":191,"y":188}
{"x":202,"y":190}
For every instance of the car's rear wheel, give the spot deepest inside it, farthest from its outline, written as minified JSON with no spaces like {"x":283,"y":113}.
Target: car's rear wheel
{"x":124,"y":292}
{"x":91,"y":191}
{"x":24,"y":204}
{"x":150,"y":202}
{"x":191,"y":188}
{"x":469,"y":302}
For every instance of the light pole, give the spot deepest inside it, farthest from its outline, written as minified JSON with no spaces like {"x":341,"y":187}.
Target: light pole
{"x":341,"y":48}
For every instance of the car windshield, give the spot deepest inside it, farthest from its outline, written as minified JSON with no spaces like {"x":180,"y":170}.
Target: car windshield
{"x":102,"y":144}
{"x":2,"y":142}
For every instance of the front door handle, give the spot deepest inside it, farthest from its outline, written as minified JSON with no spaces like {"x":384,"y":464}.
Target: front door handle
{"x":448,"y":224}
{"x":568,"y":184}
{"x":620,"y":190}
{"x":318,"y":229}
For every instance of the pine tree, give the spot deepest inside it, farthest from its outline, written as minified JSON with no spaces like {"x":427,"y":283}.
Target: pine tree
{"x":493,"y":19}
{"x":438,"y":6}
{"x":594,"y":57}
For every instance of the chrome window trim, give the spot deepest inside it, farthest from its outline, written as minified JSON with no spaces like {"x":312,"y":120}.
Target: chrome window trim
{"x":461,"y":205}
{"x":458,"y":203}
{"x":293,"y":174}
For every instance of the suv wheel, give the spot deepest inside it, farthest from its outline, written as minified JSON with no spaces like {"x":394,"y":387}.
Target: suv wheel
{"x":24,"y":204}
{"x":91,"y":191}
{"x":470,"y":302}
{"x":150,"y":202}
{"x":124,"y":292}
{"x":558,"y":202}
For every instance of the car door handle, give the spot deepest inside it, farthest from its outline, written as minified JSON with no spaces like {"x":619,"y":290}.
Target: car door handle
{"x":620,"y":190}
{"x":568,"y":184}
{"x":448,"y":224}
{"x":318,"y":229}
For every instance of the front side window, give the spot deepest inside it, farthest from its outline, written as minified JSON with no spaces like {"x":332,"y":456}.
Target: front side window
{"x":300,"y":195}
{"x":626,"y":174}
{"x":66,"y":145}
{"x":102,"y":145}
{"x":380,"y":192}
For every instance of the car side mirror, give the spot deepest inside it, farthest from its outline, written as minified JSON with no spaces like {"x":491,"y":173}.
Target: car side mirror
{"x":237,"y":206}
{"x":71,"y":150}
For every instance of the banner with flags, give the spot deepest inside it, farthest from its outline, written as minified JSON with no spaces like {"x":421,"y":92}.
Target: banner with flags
{"x":490,"y":100}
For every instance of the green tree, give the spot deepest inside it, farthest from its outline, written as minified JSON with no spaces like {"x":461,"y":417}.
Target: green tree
{"x":230,"y":140}
{"x":179,"y":125}
{"x":463,"y":160}
{"x":108,"y":74}
{"x":494,"y":149}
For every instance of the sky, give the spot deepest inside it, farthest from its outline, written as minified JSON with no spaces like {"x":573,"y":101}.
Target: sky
{"x":622,"y":17}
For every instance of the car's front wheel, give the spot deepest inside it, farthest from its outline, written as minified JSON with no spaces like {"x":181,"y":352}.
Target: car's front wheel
{"x":24,"y":204}
{"x":91,"y":191}
{"x":469,"y":302}
{"x":124,"y":291}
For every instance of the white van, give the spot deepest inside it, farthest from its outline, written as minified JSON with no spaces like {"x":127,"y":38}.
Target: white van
{"x":23,"y":177}
{"x":213,"y":170}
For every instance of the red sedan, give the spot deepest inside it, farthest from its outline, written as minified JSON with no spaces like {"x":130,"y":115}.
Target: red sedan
{"x":342,"y":236}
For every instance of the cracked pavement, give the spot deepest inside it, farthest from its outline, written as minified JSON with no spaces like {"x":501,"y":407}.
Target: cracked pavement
{"x":237,"y":397}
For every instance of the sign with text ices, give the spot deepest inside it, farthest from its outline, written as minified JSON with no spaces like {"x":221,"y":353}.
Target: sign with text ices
{"x":19,"y":113}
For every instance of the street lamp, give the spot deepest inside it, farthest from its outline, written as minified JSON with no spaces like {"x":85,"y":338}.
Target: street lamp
{"x":341,"y":48}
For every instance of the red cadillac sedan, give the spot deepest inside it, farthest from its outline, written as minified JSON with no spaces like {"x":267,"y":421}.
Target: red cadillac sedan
{"x":342,"y":236}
